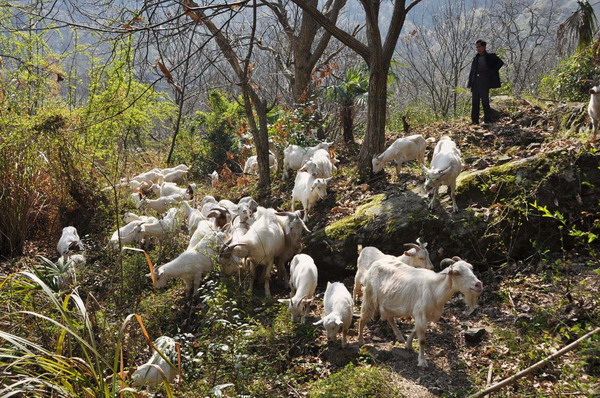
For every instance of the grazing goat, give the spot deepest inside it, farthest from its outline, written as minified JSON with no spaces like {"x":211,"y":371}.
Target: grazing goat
{"x":402,"y":150}
{"x":295,"y":156}
{"x":163,"y":227}
{"x":446,"y":165}
{"x":338,"y":307}
{"x":170,"y":189}
{"x":176,"y":176}
{"x":594,"y":109}
{"x":69,"y":240}
{"x":308,"y":190}
{"x":251,"y":165}
{"x":192,"y":264}
{"x":161,"y":204}
{"x":397,"y":290}
{"x":303,"y":282}
{"x":129,"y":233}
{"x":417,"y":256}
{"x":156,"y":370}
{"x":264,"y":243}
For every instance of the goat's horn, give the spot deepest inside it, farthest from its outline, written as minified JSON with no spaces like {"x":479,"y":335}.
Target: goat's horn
{"x":416,"y":247}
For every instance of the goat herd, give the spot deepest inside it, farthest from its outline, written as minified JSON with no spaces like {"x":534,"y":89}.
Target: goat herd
{"x":241,"y":236}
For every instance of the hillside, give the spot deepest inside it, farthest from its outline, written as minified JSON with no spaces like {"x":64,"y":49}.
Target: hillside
{"x":528,"y":219}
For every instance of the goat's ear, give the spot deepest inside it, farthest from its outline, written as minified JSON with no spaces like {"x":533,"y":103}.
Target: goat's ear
{"x":303,"y":169}
{"x":339,"y":322}
{"x":149,"y":275}
{"x":319,"y":322}
{"x":425,"y":169}
{"x":456,"y":258}
{"x":411,"y":252}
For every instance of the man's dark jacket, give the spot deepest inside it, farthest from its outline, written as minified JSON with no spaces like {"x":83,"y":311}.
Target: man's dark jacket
{"x":494,"y":63}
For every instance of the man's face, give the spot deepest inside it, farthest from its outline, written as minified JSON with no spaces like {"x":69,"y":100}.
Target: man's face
{"x":480,"y":49}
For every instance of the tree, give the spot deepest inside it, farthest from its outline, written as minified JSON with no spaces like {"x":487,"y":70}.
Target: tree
{"x":352,"y":90}
{"x":579,"y":28}
{"x":305,"y":45}
{"x":377,"y":53}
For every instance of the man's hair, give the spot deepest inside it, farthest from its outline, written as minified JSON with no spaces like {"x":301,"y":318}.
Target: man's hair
{"x":483,"y":43}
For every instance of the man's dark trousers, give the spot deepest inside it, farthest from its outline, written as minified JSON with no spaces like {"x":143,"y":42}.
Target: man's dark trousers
{"x":480,"y":93}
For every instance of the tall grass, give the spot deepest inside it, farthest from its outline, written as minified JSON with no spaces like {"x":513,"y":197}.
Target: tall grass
{"x":72,"y":365}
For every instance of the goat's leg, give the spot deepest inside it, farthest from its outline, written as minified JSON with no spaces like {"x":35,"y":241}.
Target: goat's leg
{"x":410,"y":339}
{"x":433,"y":199}
{"x":452,"y":188}
{"x":361,"y":326}
{"x":420,"y":327}
{"x":268,"y":270}
{"x":398,"y":168}
{"x":395,"y":329}
{"x":357,"y":290}
{"x":594,"y":128}
{"x":306,"y":206}
{"x":344,"y":335}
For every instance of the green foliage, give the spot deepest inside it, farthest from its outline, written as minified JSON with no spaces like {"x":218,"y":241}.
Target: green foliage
{"x":585,"y":237}
{"x":211,"y":139}
{"x":296,"y":126}
{"x":571,"y":79}
{"x":356,"y":381}
{"x":55,"y":274}
{"x":121,"y":112}
{"x":70,"y":364}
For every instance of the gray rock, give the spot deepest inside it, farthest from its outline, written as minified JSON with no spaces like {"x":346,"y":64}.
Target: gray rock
{"x":474,"y":335}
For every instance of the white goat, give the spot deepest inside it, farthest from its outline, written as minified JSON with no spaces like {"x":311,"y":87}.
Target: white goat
{"x":217,"y":220}
{"x":156,"y":370}
{"x":251,"y":165}
{"x":193,"y":216}
{"x":295,"y":156}
{"x":338,"y":308}
{"x":402,"y":150}
{"x":129,"y":233}
{"x":303,"y":282}
{"x":214,"y":178}
{"x":163,"y":227}
{"x":446,"y":165}
{"x":170,"y":189}
{"x":417,"y":256}
{"x":161,"y":204}
{"x":308,"y":190}
{"x":594,"y":109}
{"x":323,"y":167}
{"x":69,"y":240}
{"x":397,"y":290}
{"x":150,"y":177}
{"x":263,"y":243}
{"x":172,"y":169}
{"x":129,"y":217}
{"x":191,"y":265}
{"x":176,"y":176}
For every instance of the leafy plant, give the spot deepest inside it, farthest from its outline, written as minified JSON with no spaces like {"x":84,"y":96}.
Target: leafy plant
{"x":55,"y":274}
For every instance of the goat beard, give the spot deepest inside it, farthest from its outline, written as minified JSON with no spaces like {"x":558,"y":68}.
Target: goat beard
{"x":471,"y":301}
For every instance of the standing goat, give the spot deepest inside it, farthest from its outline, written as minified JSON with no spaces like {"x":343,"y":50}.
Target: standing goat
{"x":417,"y":256}
{"x":446,"y":165}
{"x":397,"y":290}
{"x":594,"y":109}
{"x":402,"y":150}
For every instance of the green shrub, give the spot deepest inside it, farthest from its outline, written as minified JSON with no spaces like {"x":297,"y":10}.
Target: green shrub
{"x":572,"y":79}
{"x":356,"y":381}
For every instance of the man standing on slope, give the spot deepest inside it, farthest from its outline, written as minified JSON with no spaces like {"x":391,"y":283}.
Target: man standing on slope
{"x":483,"y":76}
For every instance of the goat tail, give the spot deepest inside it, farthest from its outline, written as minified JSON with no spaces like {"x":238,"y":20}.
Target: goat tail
{"x":369,"y":304}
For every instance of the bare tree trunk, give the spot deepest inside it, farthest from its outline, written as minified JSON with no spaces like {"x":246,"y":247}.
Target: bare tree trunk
{"x":376,"y":116}
{"x":347,"y":123}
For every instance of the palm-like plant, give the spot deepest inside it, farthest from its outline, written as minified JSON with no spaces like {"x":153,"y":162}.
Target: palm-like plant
{"x":578,"y":29}
{"x":350,"y":92}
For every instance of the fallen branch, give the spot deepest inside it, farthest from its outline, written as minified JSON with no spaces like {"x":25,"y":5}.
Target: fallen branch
{"x":534,"y":367}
